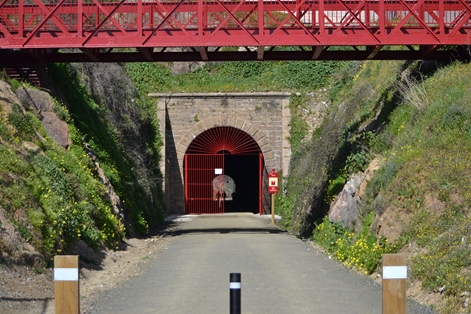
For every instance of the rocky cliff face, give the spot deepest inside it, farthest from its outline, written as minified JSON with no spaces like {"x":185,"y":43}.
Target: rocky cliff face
{"x":311,"y":167}
{"x":12,"y":243}
{"x":43,"y":105}
{"x":136,"y":139}
{"x":344,"y":208}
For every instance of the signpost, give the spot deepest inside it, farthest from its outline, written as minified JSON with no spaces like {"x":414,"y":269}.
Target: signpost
{"x":273,"y":189}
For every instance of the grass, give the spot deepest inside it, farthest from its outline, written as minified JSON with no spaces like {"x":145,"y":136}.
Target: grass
{"x":234,"y":77}
{"x":425,"y":152}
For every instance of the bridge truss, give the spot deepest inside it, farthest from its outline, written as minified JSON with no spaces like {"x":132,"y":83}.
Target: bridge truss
{"x":221,"y":30}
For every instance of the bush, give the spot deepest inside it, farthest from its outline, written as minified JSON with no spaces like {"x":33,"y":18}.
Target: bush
{"x":335,"y":186}
{"x":362,"y":252}
{"x":22,"y":123}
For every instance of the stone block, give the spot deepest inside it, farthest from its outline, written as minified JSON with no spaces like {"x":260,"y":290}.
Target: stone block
{"x":198,"y":128}
{"x":262,"y":141}
{"x":189,"y":136}
{"x":181,"y":148}
{"x":257,"y":136}
{"x":185,"y":141}
{"x":268,"y":155}
{"x":251,"y":130}
{"x":239,"y":123}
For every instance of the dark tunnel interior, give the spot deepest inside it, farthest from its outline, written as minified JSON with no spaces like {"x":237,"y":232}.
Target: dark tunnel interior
{"x":245,"y":171}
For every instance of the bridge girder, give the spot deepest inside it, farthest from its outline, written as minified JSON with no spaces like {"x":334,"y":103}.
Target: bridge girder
{"x":35,"y":56}
{"x":208,"y":30}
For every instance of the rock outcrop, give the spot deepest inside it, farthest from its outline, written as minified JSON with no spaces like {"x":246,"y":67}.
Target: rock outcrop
{"x":7,"y":98}
{"x":43,"y":104}
{"x":344,"y":208}
{"x":111,"y":195}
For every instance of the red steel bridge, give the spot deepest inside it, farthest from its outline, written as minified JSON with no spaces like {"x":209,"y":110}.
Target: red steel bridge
{"x":219,"y":30}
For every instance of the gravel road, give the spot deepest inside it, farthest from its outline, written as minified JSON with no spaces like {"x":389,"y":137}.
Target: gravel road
{"x":280,"y":274}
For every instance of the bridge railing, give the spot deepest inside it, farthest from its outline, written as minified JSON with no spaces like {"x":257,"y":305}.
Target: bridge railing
{"x":204,"y":28}
{"x":73,"y":23}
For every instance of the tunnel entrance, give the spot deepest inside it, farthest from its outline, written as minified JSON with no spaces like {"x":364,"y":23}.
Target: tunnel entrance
{"x":223,"y":170}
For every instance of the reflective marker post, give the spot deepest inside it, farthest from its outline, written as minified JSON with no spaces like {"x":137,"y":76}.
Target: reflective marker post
{"x":235,"y":293}
{"x":66,"y":284}
{"x":394,"y":283}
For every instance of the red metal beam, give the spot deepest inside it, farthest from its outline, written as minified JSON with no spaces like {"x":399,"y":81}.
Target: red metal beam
{"x":147,"y":24}
{"x":9,"y":57}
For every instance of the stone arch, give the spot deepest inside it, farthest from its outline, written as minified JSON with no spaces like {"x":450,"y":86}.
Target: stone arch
{"x":183,"y":116}
{"x":225,"y":120}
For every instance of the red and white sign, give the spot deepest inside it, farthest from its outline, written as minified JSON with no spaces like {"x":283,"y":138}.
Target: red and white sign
{"x":273,"y":182}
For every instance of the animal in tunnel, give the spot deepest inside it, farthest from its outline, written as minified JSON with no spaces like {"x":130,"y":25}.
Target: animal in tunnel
{"x":223,"y":187}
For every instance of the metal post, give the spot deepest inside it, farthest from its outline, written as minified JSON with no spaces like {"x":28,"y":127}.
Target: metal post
{"x":394,"y":283}
{"x":66,"y":284}
{"x":235,"y":293}
{"x":273,"y":209}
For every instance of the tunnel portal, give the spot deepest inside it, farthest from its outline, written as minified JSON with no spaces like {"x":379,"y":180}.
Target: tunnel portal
{"x":223,"y":171}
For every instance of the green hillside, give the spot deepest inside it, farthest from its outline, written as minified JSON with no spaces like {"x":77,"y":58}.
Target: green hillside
{"x":103,"y":186}
{"x":413,"y":119}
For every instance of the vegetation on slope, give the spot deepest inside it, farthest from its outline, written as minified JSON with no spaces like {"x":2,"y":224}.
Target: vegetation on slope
{"x":122,"y":131}
{"x":51,"y":195}
{"x":432,"y":185}
{"x":420,"y":131}
{"x":55,"y":196}
{"x":234,"y":77}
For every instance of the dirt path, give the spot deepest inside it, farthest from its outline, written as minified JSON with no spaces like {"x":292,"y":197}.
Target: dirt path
{"x":22,"y":290}
{"x":280,"y":274}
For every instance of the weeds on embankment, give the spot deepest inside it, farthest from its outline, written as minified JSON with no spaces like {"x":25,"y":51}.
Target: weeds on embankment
{"x":424,"y":145}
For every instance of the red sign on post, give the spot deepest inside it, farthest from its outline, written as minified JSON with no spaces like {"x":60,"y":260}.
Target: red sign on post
{"x":273,"y":182}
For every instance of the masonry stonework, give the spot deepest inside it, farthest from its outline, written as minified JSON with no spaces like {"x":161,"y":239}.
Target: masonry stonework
{"x":183,"y":116}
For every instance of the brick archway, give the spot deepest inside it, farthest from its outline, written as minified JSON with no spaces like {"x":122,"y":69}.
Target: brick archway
{"x":184,"y":116}
{"x":224,"y":120}
{"x":231,"y":156}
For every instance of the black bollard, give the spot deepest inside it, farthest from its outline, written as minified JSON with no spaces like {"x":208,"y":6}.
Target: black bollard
{"x":235,"y":293}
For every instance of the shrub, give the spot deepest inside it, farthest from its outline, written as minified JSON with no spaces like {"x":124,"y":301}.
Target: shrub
{"x":22,"y":123}
{"x":362,"y":252}
{"x":335,"y":186}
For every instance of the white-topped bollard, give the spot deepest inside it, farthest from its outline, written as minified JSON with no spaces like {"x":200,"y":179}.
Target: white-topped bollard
{"x":66,"y":284}
{"x":394,"y":284}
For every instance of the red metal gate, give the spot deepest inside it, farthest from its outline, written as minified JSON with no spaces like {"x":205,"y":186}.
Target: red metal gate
{"x":200,"y":171}
{"x":204,"y":161}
